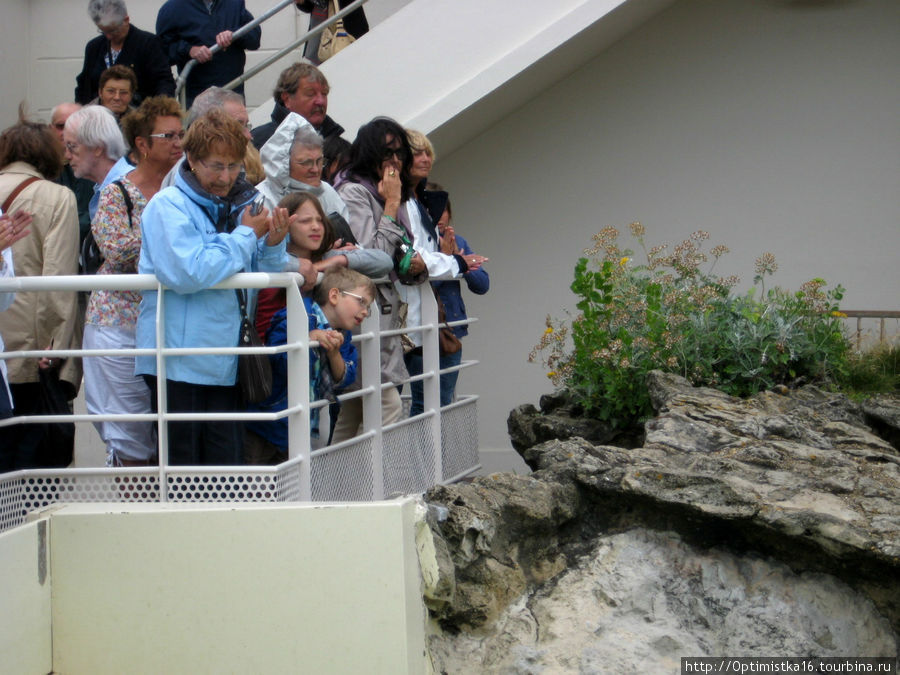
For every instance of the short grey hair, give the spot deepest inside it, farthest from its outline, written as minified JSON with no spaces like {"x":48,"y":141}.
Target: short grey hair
{"x":107,"y":11}
{"x":213,"y":98}
{"x":95,"y":127}
{"x":307,"y":137}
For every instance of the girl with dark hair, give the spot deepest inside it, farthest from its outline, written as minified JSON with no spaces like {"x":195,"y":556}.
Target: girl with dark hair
{"x":375,"y":186}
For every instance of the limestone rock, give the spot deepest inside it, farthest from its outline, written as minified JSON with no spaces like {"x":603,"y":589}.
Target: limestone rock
{"x":558,"y":418}
{"x":640,"y":600}
{"x":768,"y":526}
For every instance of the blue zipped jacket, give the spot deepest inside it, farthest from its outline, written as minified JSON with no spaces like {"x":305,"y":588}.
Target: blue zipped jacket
{"x":192,"y":240}
{"x":276,"y":432}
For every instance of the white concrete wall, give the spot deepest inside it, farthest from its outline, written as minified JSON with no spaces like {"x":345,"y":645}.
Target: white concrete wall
{"x":213,"y":588}
{"x":14,"y":51}
{"x":771,"y":124}
{"x":25,"y":633}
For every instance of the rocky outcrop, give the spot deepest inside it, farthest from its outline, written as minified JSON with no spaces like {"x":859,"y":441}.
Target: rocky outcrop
{"x":768,"y":526}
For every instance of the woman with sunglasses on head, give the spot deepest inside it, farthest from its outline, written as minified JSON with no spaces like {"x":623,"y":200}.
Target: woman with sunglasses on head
{"x":153,"y":133}
{"x":196,"y":234}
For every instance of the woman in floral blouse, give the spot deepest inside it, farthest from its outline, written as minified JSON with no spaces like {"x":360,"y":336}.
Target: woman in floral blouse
{"x":154,"y":133}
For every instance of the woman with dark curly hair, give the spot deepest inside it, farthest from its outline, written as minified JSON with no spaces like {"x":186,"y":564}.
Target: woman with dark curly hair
{"x":153,"y":133}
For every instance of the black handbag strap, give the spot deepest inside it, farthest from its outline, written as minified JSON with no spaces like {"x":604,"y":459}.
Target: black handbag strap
{"x":129,"y":205}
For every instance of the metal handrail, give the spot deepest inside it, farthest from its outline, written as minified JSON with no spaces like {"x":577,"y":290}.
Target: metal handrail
{"x":299,"y":404}
{"x":214,"y":49}
{"x":284,"y":51}
{"x":243,"y":30}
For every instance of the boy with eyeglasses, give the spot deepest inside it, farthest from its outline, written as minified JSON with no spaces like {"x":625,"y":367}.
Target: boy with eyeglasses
{"x":340,"y":303}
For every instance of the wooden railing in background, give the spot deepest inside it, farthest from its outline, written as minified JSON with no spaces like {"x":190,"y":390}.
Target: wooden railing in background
{"x":881,"y":315}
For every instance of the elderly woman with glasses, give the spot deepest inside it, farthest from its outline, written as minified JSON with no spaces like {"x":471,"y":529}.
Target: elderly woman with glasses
{"x":196,"y":234}
{"x":154,"y":134}
{"x":292,"y":159}
{"x":120,"y":43}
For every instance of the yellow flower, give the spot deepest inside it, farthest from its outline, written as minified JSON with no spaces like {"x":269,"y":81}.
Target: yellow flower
{"x":551,"y":374}
{"x":549,"y":330}
{"x":624,"y":261}
{"x":838,"y":314}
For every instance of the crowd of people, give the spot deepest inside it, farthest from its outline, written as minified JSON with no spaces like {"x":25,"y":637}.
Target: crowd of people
{"x":124,"y":178}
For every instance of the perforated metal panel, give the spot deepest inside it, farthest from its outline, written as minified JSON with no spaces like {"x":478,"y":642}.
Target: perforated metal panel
{"x":459,"y":439}
{"x":288,"y":480}
{"x":336,"y":475}
{"x":344,"y":474}
{"x":12,"y":508}
{"x":186,"y":486}
{"x":408,"y":458}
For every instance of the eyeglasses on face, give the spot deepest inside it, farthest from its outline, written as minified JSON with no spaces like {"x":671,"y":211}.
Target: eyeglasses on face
{"x":110,"y":30}
{"x":308,"y":164}
{"x":72,"y":147}
{"x":218,"y":167}
{"x":363,"y":303}
{"x":169,"y":136}
{"x":111,"y":91}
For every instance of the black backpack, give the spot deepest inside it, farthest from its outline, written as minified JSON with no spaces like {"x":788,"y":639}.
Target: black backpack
{"x":91,"y":257}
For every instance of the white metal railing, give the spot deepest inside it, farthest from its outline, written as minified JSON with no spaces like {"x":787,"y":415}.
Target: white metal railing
{"x":437,"y":446}
{"x":265,"y":63}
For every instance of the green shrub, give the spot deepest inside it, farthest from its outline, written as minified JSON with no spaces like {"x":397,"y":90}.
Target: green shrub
{"x":670,"y":314}
{"x":876,"y":371}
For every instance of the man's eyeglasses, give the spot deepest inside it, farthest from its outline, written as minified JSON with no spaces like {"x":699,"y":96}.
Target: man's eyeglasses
{"x":169,"y":136}
{"x":72,"y":147}
{"x":363,"y":303}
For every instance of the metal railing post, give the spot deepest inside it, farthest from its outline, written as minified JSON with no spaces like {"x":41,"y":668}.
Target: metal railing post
{"x":299,"y":443}
{"x":162,"y":401}
{"x":431,"y":385}
{"x":370,"y":377}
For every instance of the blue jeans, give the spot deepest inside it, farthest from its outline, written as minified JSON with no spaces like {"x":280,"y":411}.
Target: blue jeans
{"x":448,"y":380}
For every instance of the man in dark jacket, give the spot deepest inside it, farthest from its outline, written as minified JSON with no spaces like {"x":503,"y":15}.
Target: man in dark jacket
{"x":187,"y":29}
{"x":120,"y":43}
{"x":303,"y":89}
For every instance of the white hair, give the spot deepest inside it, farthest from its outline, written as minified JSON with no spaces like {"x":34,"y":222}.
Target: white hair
{"x":95,"y":127}
{"x":307,"y":137}
{"x":107,"y":12}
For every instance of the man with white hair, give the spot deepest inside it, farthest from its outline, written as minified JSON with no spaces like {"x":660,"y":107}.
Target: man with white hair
{"x":83,"y":188}
{"x":95,"y":148}
{"x":122,"y":44}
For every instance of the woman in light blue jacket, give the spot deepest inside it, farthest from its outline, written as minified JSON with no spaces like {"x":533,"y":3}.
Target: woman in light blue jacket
{"x":196,"y":234}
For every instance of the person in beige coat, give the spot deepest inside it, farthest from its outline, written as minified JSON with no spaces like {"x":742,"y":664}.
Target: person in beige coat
{"x":37,"y":321}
